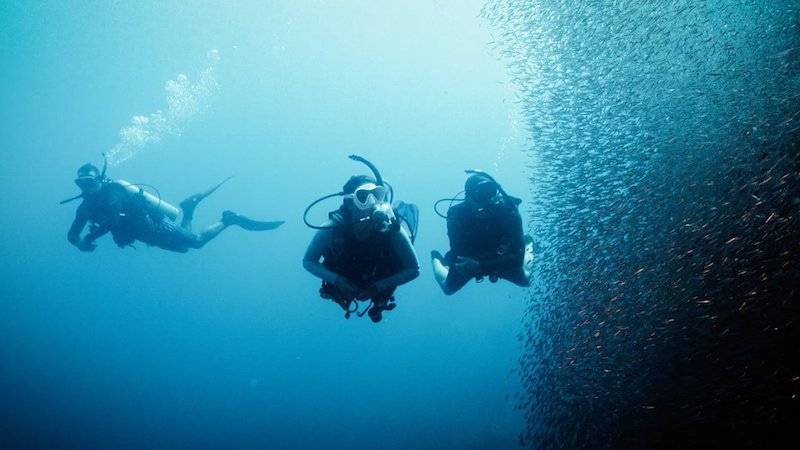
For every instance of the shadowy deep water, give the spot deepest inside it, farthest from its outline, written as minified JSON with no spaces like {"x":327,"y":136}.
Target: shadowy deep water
{"x":664,"y":141}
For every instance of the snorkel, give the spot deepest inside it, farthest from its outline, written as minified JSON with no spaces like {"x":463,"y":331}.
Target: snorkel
{"x":378,"y":212}
{"x":100,"y":178}
{"x":105,"y":167}
{"x":377,"y":174}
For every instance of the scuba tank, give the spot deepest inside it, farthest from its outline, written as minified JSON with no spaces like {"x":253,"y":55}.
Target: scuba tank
{"x":152,"y":202}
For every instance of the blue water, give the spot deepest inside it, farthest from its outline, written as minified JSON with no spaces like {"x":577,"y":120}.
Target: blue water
{"x":656,"y":147}
{"x":230,"y":346}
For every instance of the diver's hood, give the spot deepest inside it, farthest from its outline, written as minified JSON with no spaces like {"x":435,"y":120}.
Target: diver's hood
{"x":86,"y":173}
{"x":500,"y":189}
{"x":475,"y":175}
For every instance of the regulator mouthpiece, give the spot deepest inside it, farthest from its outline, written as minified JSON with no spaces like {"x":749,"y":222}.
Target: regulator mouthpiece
{"x":383,"y":217}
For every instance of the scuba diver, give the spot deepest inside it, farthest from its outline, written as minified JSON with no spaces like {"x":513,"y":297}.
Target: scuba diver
{"x":366,"y":246}
{"x":486,"y":238}
{"x":130,"y":213}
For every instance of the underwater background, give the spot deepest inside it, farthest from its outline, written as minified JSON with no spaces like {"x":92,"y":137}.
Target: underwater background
{"x":231,"y":346}
{"x":654,"y":145}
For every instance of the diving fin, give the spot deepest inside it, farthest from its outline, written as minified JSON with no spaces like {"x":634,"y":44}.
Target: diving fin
{"x":231,"y":218}
{"x":190,"y":203}
{"x":214,"y":188}
{"x":409,"y":213}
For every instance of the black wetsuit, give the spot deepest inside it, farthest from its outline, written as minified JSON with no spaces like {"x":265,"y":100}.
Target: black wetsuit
{"x":361,"y":261}
{"x":492,"y":235}
{"x":128,"y":218}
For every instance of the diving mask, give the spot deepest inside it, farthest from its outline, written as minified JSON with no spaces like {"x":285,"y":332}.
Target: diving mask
{"x":88,"y":183}
{"x":367,"y":196}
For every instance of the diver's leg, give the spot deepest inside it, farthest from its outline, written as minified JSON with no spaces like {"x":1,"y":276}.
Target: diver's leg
{"x":448,"y":280}
{"x":208,"y":234}
{"x":190,"y":203}
{"x":454,"y":282}
{"x":440,"y":271}
{"x":187,"y":206}
{"x":517,"y":276}
{"x":527,"y":261}
{"x":169,"y":237}
{"x":230,"y":218}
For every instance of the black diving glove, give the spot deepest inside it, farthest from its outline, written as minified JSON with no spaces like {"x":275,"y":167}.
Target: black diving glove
{"x":467,"y":266}
{"x":85,"y":245}
{"x":346,"y":288}
{"x":375,"y":290}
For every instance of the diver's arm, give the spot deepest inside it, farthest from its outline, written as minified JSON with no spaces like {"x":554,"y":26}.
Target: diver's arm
{"x":84,"y":244}
{"x":316,"y":249}
{"x":95,"y":233}
{"x":78,"y":224}
{"x":404,"y":250}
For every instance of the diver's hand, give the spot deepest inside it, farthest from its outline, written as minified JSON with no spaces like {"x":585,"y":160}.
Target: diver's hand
{"x":86,"y":246}
{"x":467,"y":266}
{"x":376,"y":289}
{"x":346,"y":288}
